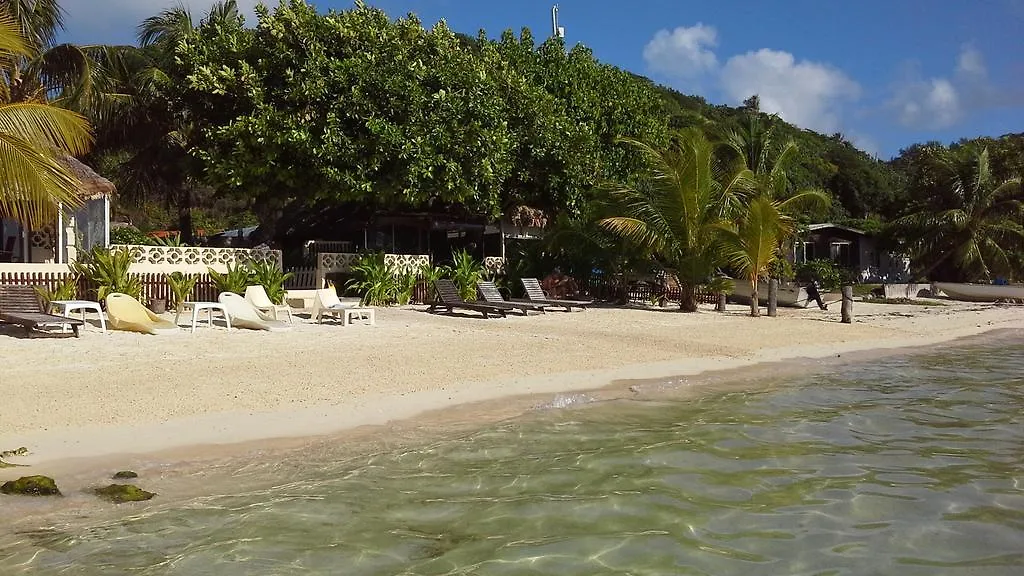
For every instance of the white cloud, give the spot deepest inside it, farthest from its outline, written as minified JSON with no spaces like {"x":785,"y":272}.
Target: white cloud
{"x":808,"y":94}
{"x":683,"y":52}
{"x":942,"y":101}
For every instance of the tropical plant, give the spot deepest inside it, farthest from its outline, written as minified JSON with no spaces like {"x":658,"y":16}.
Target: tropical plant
{"x":181,"y":287}
{"x":374,"y":280}
{"x":825,"y":272}
{"x":676,"y":210}
{"x":67,"y":290}
{"x":967,"y":223}
{"x":405,"y":286}
{"x":170,"y":241}
{"x":109,"y":270}
{"x":35,"y":137}
{"x":236,"y":279}
{"x":268,"y":274}
{"x":129,"y":235}
{"x":465,"y":271}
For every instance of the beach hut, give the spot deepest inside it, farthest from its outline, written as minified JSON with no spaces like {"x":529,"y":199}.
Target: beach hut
{"x":75,"y":230}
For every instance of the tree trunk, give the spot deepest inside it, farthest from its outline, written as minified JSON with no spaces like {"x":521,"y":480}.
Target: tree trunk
{"x":773,"y":297}
{"x":755,"y":307}
{"x":185,"y":217}
{"x":722,"y":298}
{"x":687,"y":297}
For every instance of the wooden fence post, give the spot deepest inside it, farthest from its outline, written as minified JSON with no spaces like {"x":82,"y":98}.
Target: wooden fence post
{"x":773,"y":297}
{"x":847,"y":309}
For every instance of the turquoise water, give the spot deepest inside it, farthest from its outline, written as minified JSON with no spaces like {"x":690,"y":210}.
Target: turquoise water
{"x":910,"y":465}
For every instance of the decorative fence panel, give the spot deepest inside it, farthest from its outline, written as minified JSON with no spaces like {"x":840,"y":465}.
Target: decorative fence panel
{"x":196,"y":259}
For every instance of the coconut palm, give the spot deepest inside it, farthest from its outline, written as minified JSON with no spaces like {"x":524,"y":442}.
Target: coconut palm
{"x":971,"y":222}
{"x":35,"y":137}
{"x":677,"y":209}
{"x":753,"y":243}
{"x":149,"y":126}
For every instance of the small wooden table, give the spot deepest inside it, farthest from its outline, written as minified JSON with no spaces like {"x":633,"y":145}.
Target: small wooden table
{"x":197,"y":307}
{"x":65,"y":307}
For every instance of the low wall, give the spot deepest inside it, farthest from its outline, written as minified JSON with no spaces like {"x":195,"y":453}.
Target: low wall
{"x":195,"y":260}
{"x":911,"y":291}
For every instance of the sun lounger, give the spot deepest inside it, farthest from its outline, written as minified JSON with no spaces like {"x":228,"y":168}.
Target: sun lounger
{"x":244,"y":315}
{"x":128,"y":314}
{"x":326,"y":303}
{"x":19,"y":305}
{"x":449,"y":299}
{"x":535,"y":293}
{"x":492,"y":295}
{"x":257,"y":296}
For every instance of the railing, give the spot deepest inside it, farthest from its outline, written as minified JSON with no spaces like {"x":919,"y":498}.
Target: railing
{"x":154,"y":285}
{"x":600,"y":287}
{"x":302,"y":279}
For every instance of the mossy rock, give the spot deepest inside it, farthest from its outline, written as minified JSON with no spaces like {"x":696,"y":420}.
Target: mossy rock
{"x":118,"y":493}
{"x":31,"y":486}
{"x":125,"y":475}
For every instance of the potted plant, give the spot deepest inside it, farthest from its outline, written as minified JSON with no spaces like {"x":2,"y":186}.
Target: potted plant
{"x":108,"y":270}
{"x":181,"y":287}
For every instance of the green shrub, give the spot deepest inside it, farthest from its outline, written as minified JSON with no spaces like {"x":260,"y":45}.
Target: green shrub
{"x":234,"y":280}
{"x":68,"y":290}
{"x":109,"y":270}
{"x":267,"y":274}
{"x":465,"y":271}
{"x":181,"y":287}
{"x":374,"y":281}
{"x":826,"y":272}
{"x":129,"y":235}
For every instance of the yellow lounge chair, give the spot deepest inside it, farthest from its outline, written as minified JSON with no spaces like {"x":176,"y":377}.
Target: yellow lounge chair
{"x":127,"y":313}
{"x":244,"y":315}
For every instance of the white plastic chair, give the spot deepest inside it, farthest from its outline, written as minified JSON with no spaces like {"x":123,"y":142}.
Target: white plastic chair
{"x":257,"y":296}
{"x":244,"y":315}
{"x":326,"y":303}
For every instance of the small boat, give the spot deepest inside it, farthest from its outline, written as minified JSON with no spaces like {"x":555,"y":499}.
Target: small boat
{"x":979,"y":292}
{"x":790,"y":294}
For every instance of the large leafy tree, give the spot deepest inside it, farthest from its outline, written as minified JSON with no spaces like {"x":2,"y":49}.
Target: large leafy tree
{"x":677,"y":208}
{"x":964,"y":224}
{"x":35,"y":137}
{"x":347,"y":107}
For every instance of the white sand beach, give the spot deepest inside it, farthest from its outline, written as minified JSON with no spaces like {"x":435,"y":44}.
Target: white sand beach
{"x":124,"y":393}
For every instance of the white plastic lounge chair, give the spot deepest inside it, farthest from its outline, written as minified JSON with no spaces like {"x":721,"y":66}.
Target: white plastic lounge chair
{"x":127,"y":313}
{"x":326,"y":303}
{"x":245,"y":315}
{"x":257,"y":296}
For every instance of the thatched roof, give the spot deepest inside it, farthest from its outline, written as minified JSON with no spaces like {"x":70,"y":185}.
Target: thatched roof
{"x":93,"y":185}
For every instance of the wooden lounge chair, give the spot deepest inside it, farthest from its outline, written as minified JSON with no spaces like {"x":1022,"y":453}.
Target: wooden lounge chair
{"x":535,"y":293}
{"x":20,"y":305}
{"x":449,"y":299}
{"x":492,"y":296}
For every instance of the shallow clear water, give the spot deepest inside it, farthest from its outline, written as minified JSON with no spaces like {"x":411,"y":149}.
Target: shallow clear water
{"x":911,"y":465}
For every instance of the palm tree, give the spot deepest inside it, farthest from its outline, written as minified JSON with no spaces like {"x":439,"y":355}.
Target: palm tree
{"x":754,"y":242}
{"x":35,"y":137}
{"x":677,"y":209}
{"x":149,"y":126}
{"x":971,"y":223}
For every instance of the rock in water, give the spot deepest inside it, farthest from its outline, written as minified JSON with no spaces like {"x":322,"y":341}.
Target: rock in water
{"x":125,"y":475}
{"x":118,"y":493}
{"x":31,"y":486}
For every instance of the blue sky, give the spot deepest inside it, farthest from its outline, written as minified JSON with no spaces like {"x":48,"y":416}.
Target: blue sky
{"x":884,"y":73}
